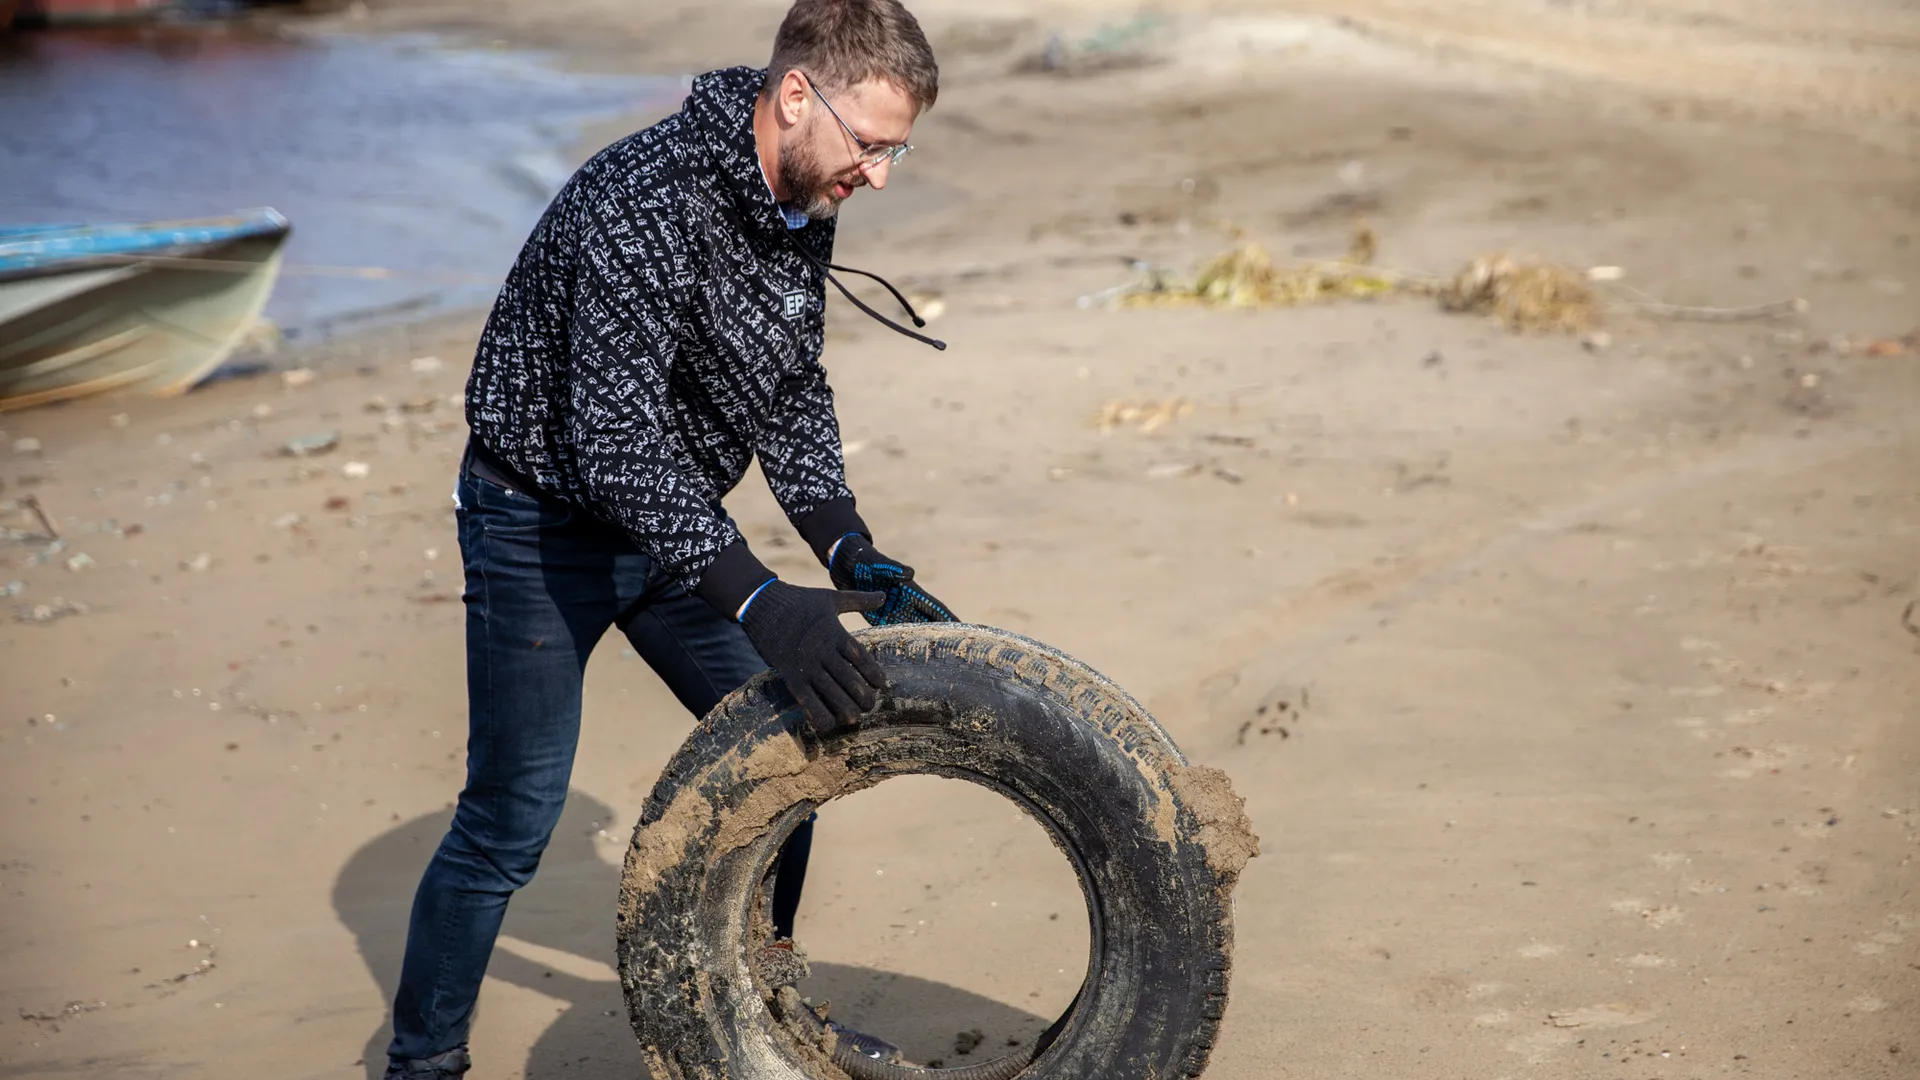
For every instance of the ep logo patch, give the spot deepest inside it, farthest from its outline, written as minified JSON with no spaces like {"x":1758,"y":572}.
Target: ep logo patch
{"x":793,"y":304}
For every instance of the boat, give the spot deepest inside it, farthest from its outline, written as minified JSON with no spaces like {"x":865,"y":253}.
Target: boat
{"x":147,"y":308}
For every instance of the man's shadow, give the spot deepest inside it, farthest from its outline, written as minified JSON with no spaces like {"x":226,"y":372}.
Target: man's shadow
{"x":568,"y":910}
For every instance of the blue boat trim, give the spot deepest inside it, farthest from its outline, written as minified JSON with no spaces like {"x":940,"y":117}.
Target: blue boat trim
{"x":27,"y":250}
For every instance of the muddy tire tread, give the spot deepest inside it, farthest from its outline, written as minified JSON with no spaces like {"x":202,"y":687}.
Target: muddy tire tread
{"x":1069,"y":687}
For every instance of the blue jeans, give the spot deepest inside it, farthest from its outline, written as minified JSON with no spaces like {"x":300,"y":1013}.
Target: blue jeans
{"x":544,"y":581}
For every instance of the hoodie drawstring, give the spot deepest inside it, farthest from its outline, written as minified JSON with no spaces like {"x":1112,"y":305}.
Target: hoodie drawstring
{"x":829,"y":268}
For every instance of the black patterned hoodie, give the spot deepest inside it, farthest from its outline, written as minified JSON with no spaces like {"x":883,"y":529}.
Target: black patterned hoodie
{"x":661,"y":328}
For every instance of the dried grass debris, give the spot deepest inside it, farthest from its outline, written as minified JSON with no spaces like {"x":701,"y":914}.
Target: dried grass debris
{"x":1525,"y":297}
{"x":1246,"y":277}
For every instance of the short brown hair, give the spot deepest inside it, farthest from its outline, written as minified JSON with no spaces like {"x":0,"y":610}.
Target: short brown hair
{"x":843,"y":43}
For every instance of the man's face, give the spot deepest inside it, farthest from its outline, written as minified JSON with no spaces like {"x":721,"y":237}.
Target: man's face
{"x":820,"y":162}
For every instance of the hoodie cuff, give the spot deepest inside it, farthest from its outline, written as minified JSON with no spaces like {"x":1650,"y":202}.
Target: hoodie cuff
{"x":827,"y":523}
{"x":732,"y":579}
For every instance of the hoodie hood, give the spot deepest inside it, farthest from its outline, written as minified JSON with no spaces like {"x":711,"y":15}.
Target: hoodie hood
{"x":720,"y":107}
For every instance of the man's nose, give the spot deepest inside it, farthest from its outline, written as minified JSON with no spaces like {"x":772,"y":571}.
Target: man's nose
{"x":876,"y":173}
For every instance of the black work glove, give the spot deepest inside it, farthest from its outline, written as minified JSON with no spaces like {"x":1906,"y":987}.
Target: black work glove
{"x":856,"y":565}
{"x":798,"y":633}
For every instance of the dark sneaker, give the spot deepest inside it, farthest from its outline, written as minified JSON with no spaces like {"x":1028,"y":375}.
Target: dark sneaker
{"x":438,"y":1067}
{"x":866,"y":1045}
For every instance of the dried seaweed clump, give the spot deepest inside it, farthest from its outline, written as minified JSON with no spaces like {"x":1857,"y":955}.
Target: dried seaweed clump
{"x":1245,"y":277}
{"x":1526,"y":297}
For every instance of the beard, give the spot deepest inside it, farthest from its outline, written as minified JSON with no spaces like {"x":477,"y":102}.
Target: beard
{"x":809,"y":186}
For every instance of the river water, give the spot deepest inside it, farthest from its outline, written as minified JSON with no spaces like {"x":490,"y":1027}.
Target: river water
{"x":399,"y":153}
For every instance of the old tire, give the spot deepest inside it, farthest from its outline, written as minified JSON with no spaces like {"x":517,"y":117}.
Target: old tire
{"x":1157,"y":845}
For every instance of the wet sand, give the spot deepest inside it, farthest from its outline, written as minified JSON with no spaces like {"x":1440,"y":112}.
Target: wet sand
{"x":1568,"y":683}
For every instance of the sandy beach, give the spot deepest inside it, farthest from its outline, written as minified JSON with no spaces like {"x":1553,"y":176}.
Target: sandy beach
{"x":1570,"y":678}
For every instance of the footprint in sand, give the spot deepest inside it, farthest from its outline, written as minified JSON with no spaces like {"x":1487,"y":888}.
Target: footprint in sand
{"x":1663,"y":916}
{"x":1699,"y":727}
{"x":1703,"y":729}
{"x":1539,"y":950}
{"x":1539,"y":1047}
{"x":1878,"y":943}
{"x":1722,"y":665}
{"x":1866,"y":1003}
{"x":1696,"y":691}
{"x":1564,"y":1027}
{"x":1646,"y":960}
{"x":1748,"y":762}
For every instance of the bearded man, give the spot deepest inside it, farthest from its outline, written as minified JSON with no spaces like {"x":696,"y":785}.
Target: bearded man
{"x":661,"y":328}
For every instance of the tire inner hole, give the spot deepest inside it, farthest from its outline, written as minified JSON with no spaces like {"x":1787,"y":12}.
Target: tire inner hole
{"x":939,"y":916}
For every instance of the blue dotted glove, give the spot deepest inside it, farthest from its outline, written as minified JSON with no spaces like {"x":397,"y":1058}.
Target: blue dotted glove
{"x":857,"y":566}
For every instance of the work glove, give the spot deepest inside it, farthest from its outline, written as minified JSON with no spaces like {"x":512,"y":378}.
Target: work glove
{"x":856,"y":565}
{"x":798,"y":633}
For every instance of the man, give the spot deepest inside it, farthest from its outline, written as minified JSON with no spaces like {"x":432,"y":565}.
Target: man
{"x":662,"y":327}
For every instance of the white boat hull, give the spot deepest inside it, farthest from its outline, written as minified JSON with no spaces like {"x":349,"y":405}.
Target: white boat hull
{"x":153,"y":325}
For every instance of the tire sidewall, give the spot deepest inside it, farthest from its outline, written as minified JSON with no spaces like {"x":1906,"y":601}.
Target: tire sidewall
{"x":1089,"y":765}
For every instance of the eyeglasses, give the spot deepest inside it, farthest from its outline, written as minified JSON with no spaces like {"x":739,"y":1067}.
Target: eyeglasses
{"x":871,"y":154}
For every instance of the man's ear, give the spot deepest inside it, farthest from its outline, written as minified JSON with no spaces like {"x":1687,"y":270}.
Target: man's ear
{"x":792,"y":99}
